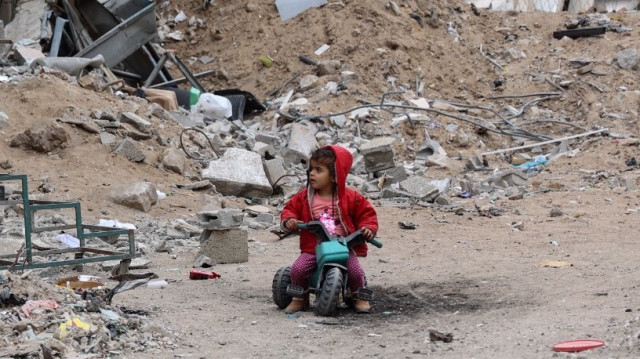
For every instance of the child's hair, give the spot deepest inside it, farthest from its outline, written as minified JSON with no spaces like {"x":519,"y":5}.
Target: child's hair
{"x":327,"y":157}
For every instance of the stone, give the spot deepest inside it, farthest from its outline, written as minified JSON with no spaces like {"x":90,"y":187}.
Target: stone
{"x":136,"y":121}
{"x":42,"y":137}
{"x":265,"y":218}
{"x":302,"y":141}
{"x":92,"y":82}
{"x":140,"y":196}
{"x":173,"y":159}
{"x":308,"y":82}
{"x":225,"y":246}
{"x":439,"y":160}
{"x":25,"y":55}
{"x":509,"y":178}
{"x":328,"y":67}
{"x":272,"y":140}
{"x":340,"y":121}
{"x":420,"y":187}
{"x":129,"y":150}
{"x":263,"y":149}
{"x":203,"y":261}
{"x":4,"y":120}
{"x":239,"y":173}
{"x":627,"y":58}
{"x":556,"y":212}
{"x":393,"y":175}
{"x":221,"y":219}
{"x":378,"y":154}
{"x":107,"y":138}
{"x":275,"y":171}
{"x":427,"y":149}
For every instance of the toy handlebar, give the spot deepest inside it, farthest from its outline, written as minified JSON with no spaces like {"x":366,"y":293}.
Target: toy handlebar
{"x":317,"y":228}
{"x":375,"y":242}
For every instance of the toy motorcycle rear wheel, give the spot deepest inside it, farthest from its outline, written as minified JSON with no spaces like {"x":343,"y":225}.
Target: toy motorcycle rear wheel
{"x":279,"y":287}
{"x":330,"y":295}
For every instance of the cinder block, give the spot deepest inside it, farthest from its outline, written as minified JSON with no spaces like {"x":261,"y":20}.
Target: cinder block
{"x":225,"y":246}
{"x":378,"y":154}
{"x":221,"y":219}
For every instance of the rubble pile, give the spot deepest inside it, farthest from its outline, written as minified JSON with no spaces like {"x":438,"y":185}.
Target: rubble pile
{"x":44,"y":319}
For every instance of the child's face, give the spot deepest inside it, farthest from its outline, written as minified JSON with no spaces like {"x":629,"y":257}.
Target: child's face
{"x":319,"y":176}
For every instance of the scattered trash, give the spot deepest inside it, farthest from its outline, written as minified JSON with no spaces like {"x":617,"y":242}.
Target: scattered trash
{"x":533,"y":166}
{"x":267,"y":61}
{"x":81,"y":281}
{"x":582,"y":32}
{"x":7,"y":298}
{"x":198,"y":274}
{"x":407,"y":225}
{"x":435,"y":335}
{"x":321,"y":50}
{"x":69,"y":240}
{"x":578,"y":345}
{"x":38,"y":306}
{"x":554,"y":264}
{"x":63,"y":329}
{"x":159,"y":284}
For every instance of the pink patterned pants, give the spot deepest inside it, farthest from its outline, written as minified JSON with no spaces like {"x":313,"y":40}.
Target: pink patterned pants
{"x":305,"y":265}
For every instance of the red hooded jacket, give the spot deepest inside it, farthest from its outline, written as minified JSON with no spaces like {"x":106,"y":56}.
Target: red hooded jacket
{"x":354,"y":209}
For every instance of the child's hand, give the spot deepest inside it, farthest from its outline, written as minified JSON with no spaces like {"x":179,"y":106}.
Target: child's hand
{"x":367,"y":233}
{"x":291,"y":224}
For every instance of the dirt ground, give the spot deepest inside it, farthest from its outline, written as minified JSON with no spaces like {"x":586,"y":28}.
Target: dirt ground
{"x":465,"y":272}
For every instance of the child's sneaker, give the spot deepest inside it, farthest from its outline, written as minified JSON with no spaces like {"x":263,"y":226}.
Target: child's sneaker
{"x":361,"y":306}
{"x":296,"y":305}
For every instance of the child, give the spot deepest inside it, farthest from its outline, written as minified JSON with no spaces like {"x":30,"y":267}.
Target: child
{"x":342,"y":211}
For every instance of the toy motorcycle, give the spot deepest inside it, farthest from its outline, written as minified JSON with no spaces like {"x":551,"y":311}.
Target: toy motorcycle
{"x":329,"y":281}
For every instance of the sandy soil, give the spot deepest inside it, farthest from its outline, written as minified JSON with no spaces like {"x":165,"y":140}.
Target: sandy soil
{"x":463,"y":272}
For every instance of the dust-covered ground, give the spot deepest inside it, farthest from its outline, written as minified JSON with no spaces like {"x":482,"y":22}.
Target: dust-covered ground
{"x":467,"y":272}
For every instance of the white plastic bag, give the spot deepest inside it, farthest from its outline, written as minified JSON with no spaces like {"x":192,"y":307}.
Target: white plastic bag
{"x":213,"y":106}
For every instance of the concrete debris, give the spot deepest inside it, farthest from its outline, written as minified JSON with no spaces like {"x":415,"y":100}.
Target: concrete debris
{"x":239,"y":173}
{"x":173,"y":160}
{"x":378,"y":154}
{"x":130,"y":151}
{"x":226,"y":245}
{"x":88,"y":329}
{"x":420,"y":188}
{"x":140,"y":196}
{"x":302,"y":141}
{"x":221,"y":219}
{"x":42,"y":137}
{"x":136,"y":121}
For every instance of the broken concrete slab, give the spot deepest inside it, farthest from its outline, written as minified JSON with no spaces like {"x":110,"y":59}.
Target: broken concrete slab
{"x":420,"y":187}
{"x":136,"y":263}
{"x":378,"y":154}
{"x":225,"y":246}
{"x":221,"y":219}
{"x":140,"y":196}
{"x":136,"y":121}
{"x":274,"y":170}
{"x":174,"y":160}
{"x":239,"y":173}
{"x":302,"y":141}
{"x":130,"y":151}
{"x":393,"y":175}
{"x":509,"y":178}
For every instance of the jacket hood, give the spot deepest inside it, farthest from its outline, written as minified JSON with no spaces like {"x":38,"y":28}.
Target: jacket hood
{"x":344,"y":160}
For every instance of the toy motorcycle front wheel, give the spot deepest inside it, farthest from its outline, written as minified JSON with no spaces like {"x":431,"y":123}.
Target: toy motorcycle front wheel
{"x":329,"y":296}
{"x":279,"y":287}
